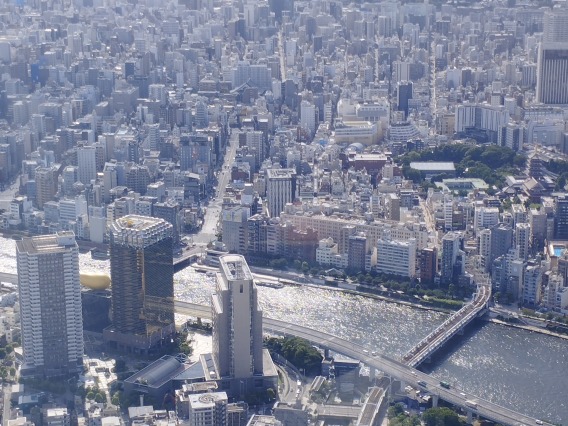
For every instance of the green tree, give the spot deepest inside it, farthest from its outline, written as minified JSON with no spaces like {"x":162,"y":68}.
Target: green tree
{"x":395,"y":410}
{"x":270,"y":394}
{"x":440,"y":416}
{"x":90,"y":395}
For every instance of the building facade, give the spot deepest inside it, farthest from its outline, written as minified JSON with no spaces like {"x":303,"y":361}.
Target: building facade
{"x":141,"y":252}
{"x":50,"y":304}
{"x":280,"y":189}
{"x":237,"y":320}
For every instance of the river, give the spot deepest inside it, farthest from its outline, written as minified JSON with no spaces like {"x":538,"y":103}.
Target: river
{"x":522,"y":370}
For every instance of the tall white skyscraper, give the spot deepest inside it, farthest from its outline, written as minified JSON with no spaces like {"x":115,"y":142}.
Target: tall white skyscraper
{"x":237,"y":320}
{"x":87,"y":162}
{"x":50,"y":304}
{"x":238,"y":362}
{"x":308,"y":117}
{"x":280,"y":189}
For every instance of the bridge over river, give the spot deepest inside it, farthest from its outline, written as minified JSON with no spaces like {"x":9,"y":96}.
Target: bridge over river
{"x":390,"y":366}
{"x":403,"y":371}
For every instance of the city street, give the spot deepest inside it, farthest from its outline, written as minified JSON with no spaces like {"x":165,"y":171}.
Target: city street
{"x":209,"y":229}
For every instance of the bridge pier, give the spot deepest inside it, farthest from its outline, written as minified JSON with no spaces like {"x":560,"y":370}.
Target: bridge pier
{"x":469,"y":417}
{"x":435,"y":399}
{"x":326,"y":353}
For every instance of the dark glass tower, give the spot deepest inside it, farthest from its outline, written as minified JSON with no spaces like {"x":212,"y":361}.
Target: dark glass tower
{"x":141,"y":251}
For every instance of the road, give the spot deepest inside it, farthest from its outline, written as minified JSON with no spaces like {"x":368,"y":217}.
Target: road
{"x":209,"y":229}
{"x":389,"y":366}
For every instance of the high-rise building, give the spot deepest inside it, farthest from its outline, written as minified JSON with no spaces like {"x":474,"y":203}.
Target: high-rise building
{"x":501,"y":241}
{"x":561,"y":218}
{"x":404,"y":95}
{"x":555,"y":26}
{"x":255,"y":144}
{"x":234,"y":222}
{"x":552,"y":73}
{"x":484,"y":244}
{"x":50,"y":305}
{"x":237,"y":320}
{"x":485,"y":217}
{"x":356,"y":252}
{"x":87,"y":164}
{"x":208,"y":409}
{"x":239,"y":359}
{"x":428,"y":264}
{"x":46,"y":184}
{"x":450,"y":251}
{"x":141,"y":252}
{"x":522,"y":239}
{"x":308,"y":117}
{"x":532,"y":288}
{"x":280,"y":189}
{"x":397,"y":257}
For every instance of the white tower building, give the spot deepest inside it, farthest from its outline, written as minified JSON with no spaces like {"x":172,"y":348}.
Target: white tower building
{"x":87,"y":162}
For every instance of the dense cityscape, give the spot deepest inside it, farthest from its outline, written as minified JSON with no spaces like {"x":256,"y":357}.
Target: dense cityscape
{"x":283,"y":212}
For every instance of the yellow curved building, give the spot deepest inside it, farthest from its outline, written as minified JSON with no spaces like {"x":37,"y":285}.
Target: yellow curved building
{"x":95,"y":280}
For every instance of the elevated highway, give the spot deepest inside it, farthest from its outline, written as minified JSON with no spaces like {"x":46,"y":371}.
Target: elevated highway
{"x":389,"y":366}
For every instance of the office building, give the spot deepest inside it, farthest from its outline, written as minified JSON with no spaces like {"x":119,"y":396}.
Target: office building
{"x":280,"y":189}
{"x":451,"y":243}
{"x":356,"y":252}
{"x":239,"y":359}
{"x":46,"y":185}
{"x":552,"y":73}
{"x":532,"y":284}
{"x":428,"y":264}
{"x":50,"y":305}
{"x":141,"y":251}
{"x":501,"y":241}
{"x":485,"y":217}
{"x":308,"y":120}
{"x":484,"y":248}
{"x":396,"y":257}
{"x":561,"y":218}
{"x":404,"y":96}
{"x":522,"y":239}
{"x":87,"y":164}
{"x":234,"y":222}
{"x":237,"y":320}
{"x":555,"y":24}
{"x":207,"y":409}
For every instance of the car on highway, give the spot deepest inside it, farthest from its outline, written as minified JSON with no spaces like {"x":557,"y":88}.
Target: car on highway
{"x":422,"y":383}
